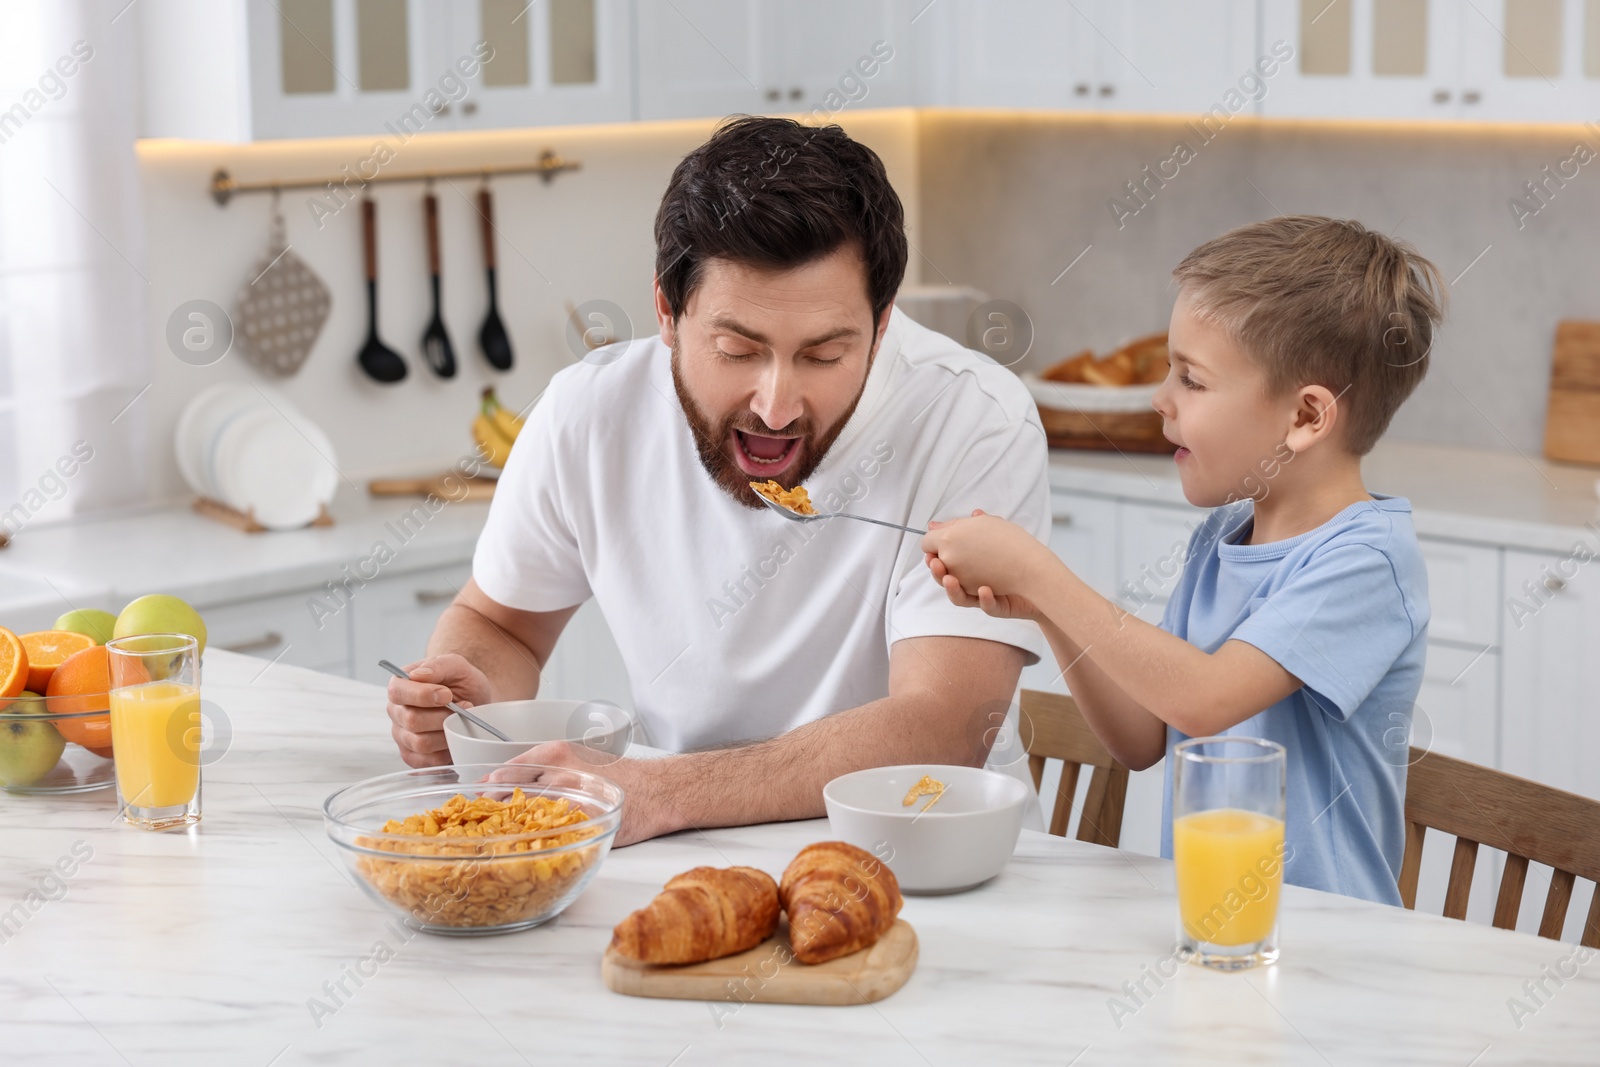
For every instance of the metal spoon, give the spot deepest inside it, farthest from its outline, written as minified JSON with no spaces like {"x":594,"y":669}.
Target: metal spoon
{"x":492,"y":337}
{"x":453,"y":706}
{"x":795,"y":516}
{"x":381,"y":362}
{"x":436,"y":347}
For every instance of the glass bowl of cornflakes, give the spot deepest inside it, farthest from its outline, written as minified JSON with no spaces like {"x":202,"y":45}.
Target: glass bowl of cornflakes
{"x":475,"y":848}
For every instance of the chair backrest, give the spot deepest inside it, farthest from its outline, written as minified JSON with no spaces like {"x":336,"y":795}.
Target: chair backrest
{"x":1053,"y":728}
{"x":1525,"y":820}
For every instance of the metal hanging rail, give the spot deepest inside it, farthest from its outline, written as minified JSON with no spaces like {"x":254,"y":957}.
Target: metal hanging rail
{"x":224,"y":187}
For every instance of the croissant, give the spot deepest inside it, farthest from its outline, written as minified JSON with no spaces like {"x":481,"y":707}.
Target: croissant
{"x":840,"y":899}
{"x":701,"y":915}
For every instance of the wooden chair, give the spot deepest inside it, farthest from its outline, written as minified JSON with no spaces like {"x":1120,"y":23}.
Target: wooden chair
{"x":1525,"y":820}
{"x":1053,"y":728}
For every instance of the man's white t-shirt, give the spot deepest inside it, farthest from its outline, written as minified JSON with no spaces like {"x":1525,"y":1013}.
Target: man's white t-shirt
{"x":736,"y":624}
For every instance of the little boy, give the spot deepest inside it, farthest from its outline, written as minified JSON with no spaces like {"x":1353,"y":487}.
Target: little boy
{"x":1301,"y":614}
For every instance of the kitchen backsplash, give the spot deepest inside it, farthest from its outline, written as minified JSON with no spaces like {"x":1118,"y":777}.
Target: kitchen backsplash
{"x":1034,"y":209}
{"x":1013,"y":200}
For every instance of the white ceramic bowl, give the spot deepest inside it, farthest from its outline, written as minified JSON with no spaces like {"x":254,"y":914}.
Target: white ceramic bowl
{"x":961,"y":842}
{"x":600,"y":725}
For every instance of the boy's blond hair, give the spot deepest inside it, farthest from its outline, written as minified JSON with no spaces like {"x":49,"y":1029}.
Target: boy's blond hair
{"x":1327,"y":302}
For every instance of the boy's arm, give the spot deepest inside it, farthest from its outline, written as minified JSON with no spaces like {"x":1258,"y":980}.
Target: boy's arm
{"x":1198,"y":693}
{"x":1136,"y":738}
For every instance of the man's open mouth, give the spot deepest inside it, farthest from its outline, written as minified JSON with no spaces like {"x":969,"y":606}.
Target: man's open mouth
{"x":762,"y":455}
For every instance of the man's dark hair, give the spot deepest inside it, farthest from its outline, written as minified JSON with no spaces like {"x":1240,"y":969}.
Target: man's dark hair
{"x":771,"y":193}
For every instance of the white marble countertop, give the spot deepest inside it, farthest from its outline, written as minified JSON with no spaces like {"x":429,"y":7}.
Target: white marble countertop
{"x":106,"y":561}
{"x":206,"y":947}
{"x":1497,"y":498}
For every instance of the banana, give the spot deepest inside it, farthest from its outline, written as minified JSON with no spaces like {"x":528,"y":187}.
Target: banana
{"x":495,"y":429}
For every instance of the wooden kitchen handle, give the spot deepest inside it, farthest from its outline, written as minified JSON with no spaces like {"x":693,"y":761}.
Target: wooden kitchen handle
{"x":430,"y":207}
{"x":369,"y":236}
{"x":486,"y":223}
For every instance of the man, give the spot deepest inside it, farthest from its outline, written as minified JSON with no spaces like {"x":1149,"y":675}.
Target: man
{"x":773,"y":656}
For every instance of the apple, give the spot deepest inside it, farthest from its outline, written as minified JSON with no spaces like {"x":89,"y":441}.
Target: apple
{"x":91,"y":622}
{"x":29,"y":748}
{"x":158,"y":613}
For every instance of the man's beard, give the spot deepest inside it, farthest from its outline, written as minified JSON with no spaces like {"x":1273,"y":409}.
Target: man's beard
{"x":713,"y":442}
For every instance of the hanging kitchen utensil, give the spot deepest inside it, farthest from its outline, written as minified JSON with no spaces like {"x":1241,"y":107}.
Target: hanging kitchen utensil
{"x":436,"y":347}
{"x":492,"y":338}
{"x":381,"y":362}
{"x":280,"y":311}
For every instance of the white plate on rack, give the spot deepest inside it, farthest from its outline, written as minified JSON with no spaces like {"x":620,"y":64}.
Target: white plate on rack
{"x":198,"y":426}
{"x":276,"y":466}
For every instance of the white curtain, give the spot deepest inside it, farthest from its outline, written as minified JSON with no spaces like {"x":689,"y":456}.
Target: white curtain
{"x":73,"y":286}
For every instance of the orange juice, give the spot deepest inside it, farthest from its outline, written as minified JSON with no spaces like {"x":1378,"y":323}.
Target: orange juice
{"x":1229,"y":867}
{"x":155,"y":732}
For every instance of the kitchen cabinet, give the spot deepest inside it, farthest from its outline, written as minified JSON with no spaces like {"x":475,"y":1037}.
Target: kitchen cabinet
{"x":586,"y":663}
{"x":1463,"y":592}
{"x":393,"y":616}
{"x":1530,"y":60}
{"x":1550,"y":685}
{"x":282,"y":628}
{"x":1154,"y":545}
{"x":246,"y":70}
{"x":1367,"y":59}
{"x":556,"y":62}
{"x":1109,"y":55}
{"x":723,"y":57}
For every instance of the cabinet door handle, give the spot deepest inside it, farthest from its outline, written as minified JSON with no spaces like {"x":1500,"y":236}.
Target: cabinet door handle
{"x":796,"y":93}
{"x":434,"y":596}
{"x":470,"y":107}
{"x":1554,"y":584}
{"x":1081,"y":89}
{"x":1471,"y":96}
{"x":1108,"y":90}
{"x":1062,"y":517}
{"x":1441,"y":96}
{"x":269,"y":640}
{"x":773,"y":94}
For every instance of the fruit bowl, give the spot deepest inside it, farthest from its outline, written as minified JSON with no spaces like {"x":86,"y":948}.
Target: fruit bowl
{"x":473,"y":883}
{"x":42,"y":743}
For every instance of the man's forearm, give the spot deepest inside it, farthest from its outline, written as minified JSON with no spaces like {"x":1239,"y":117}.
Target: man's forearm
{"x":782,"y":779}
{"x":512,"y":669}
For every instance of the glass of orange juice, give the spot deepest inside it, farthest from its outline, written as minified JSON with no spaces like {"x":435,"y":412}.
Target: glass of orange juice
{"x":155,"y":728}
{"x":1228,"y":849}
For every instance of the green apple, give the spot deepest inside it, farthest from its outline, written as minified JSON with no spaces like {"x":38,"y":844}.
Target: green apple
{"x":160,"y":614}
{"x":29,"y":748}
{"x":91,"y":622}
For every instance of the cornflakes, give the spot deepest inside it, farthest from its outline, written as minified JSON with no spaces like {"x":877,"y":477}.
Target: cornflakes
{"x":796,"y":500}
{"x":488,"y":885}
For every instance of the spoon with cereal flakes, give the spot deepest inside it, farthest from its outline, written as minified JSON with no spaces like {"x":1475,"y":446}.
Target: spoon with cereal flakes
{"x":795,"y":505}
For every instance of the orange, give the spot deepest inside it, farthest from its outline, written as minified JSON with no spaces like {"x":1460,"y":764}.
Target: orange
{"x":85,"y":676}
{"x":13,"y":664}
{"x":47,"y":650}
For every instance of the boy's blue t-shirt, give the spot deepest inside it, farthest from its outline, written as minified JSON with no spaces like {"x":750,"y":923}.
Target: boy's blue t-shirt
{"x":1343,"y":608}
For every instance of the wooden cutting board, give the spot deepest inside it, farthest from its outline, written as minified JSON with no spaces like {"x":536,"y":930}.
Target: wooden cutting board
{"x":445,"y":486}
{"x":760,"y":976}
{"x":1572,"y":421}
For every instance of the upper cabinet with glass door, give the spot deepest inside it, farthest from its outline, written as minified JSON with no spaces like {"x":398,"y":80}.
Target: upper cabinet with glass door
{"x":545,"y":63}
{"x":1526,"y":60}
{"x":319,"y":68}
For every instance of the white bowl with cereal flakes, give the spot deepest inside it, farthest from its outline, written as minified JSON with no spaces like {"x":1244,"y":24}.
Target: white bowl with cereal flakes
{"x":940,"y":828}
{"x":475,"y":848}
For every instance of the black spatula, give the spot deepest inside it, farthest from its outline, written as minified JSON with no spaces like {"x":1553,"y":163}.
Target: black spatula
{"x":492,"y":337}
{"x":436,"y":348}
{"x":381,"y":362}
